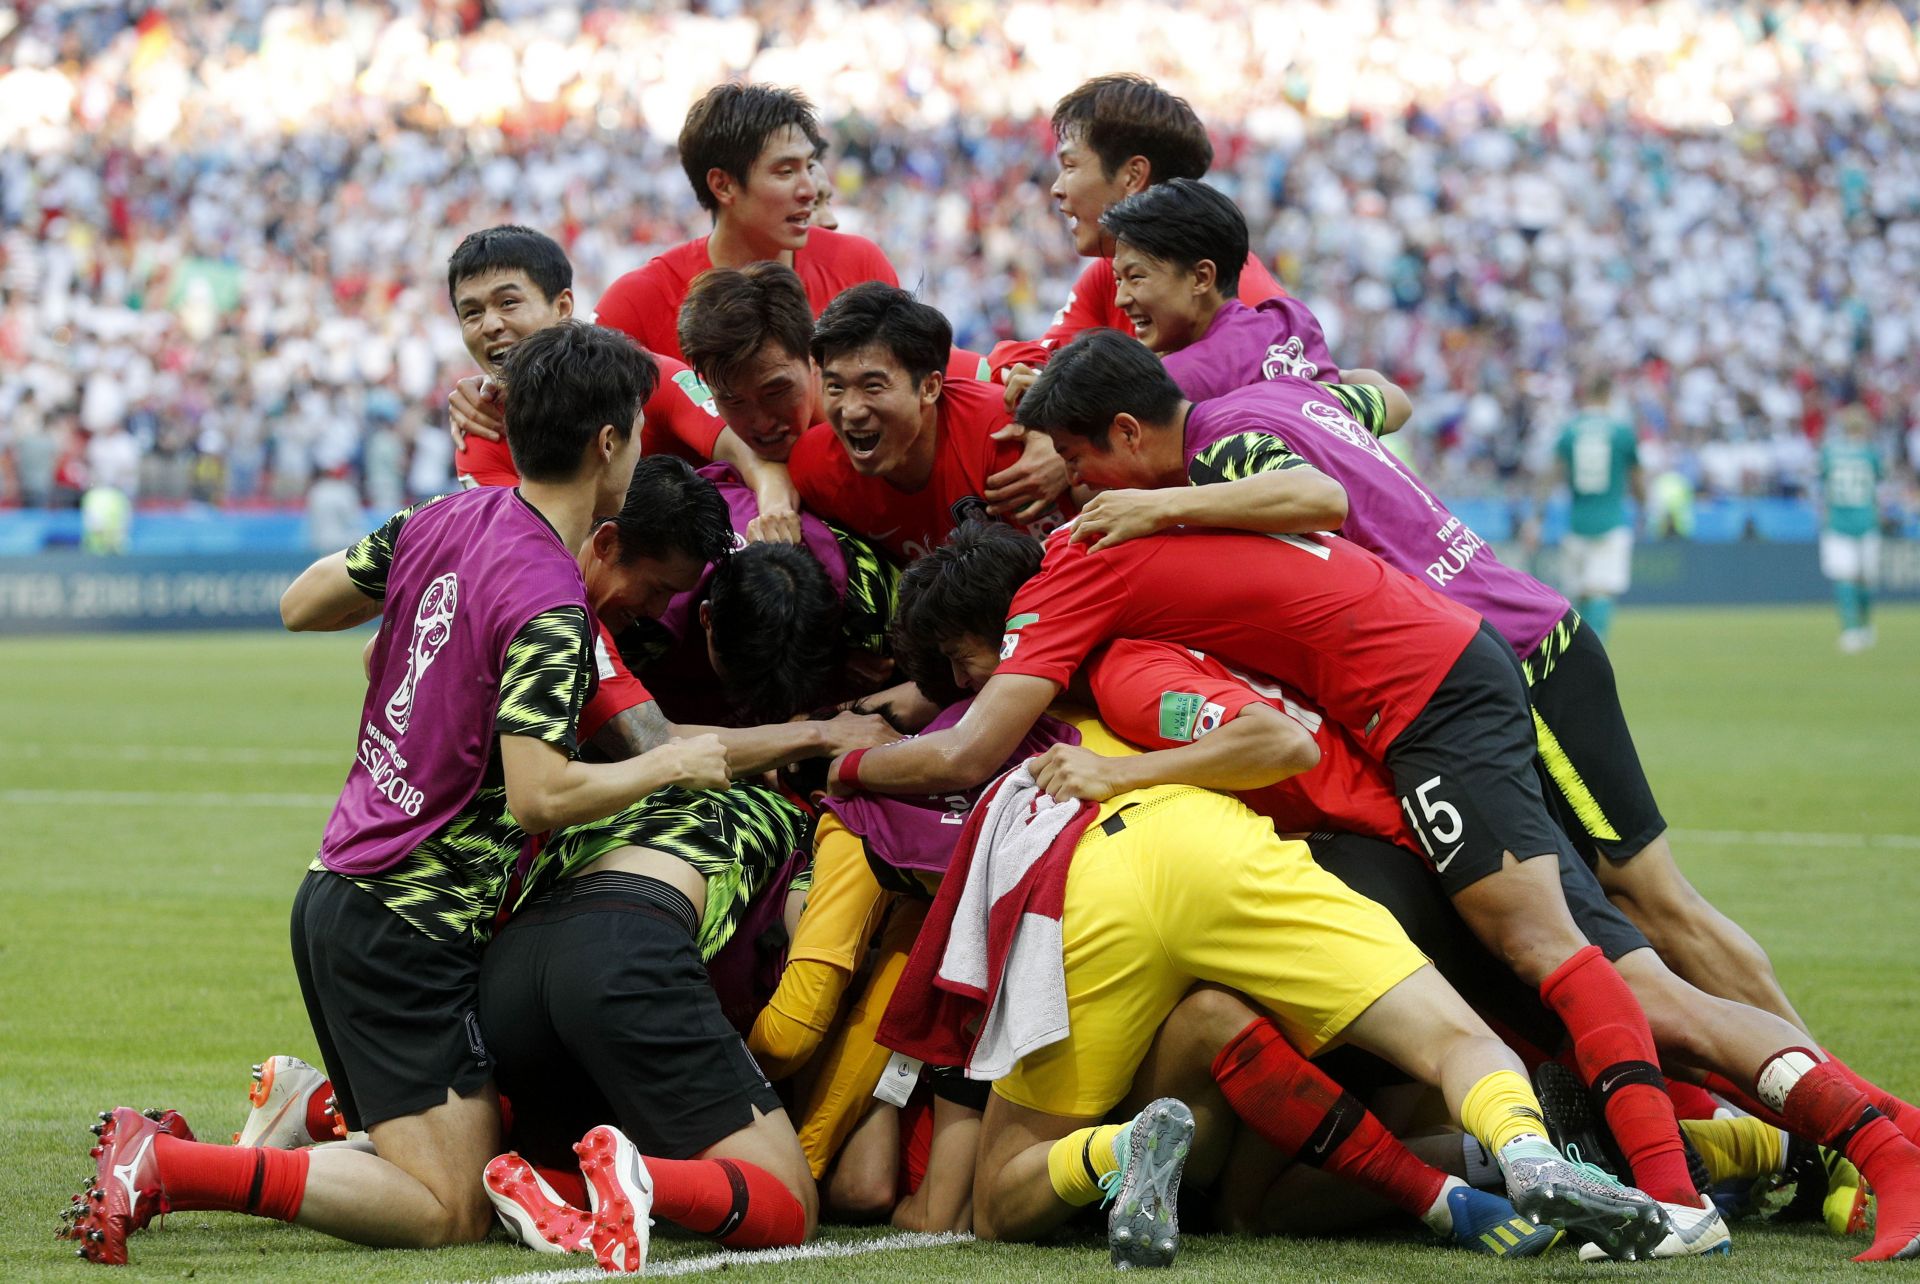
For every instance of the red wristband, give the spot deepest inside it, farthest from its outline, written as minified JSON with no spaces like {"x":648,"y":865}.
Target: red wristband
{"x":850,"y":768}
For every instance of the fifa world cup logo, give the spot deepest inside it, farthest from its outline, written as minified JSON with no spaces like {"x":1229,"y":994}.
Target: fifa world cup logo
{"x":432,"y":626}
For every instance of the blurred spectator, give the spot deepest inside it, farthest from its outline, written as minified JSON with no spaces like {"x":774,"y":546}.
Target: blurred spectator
{"x":222,"y":226}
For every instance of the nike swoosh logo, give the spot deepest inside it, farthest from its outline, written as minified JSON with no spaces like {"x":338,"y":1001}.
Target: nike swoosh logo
{"x":123,"y":1173}
{"x":1321,"y":1149}
{"x":1440,"y":866}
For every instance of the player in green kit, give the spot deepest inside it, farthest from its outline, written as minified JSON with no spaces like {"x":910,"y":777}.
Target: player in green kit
{"x":1600,"y":459}
{"x":1850,"y":471}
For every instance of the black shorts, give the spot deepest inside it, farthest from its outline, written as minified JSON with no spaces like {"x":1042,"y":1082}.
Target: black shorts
{"x":598,"y":1010}
{"x":1598,"y":919}
{"x":395,"y":1012}
{"x":1464,"y":769}
{"x":1592,"y":774}
{"x":1400,"y":881}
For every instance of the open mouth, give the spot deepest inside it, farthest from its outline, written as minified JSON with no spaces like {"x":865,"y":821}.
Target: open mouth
{"x":497,"y":354}
{"x":1141,"y":321}
{"x":862,"y":443}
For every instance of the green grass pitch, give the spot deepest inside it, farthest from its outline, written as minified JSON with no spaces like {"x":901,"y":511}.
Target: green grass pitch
{"x":161,"y":794}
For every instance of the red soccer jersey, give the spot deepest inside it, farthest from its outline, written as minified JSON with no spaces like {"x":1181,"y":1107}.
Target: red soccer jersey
{"x":645,"y":303}
{"x":910,"y":524}
{"x":1160,"y":696}
{"x":1365,"y":642}
{"x":680,"y":419}
{"x":1090,"y":304}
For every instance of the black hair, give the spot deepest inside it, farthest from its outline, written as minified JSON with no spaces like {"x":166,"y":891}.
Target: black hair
{"x":562,"y":385}
{"x":1120,"y":117}
{"x":510,"y":248}
{"x":729,"y":128}
{"x":917,"y":335}
{"x":670,"y":509}
{"x":776,"y":629}
{"x":961,"y":589}
{"x":1099,"y":375}
{"x":730,"y":314}
{"x":1183,"y":221}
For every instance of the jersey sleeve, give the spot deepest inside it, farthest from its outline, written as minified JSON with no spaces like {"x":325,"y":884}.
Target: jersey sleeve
{"x":1089,"y":304}
{"x":1629,"y":445}
{"x":1239,"y":456}
{"x":963,"y":363}
{"x":682,"y":407}
{"x":371,"y":558}
{"x":1009,"y":353}
{"x":873,"y":588}
{"x":1159,"y":696}
{"x":640,"y":307}
{"x":811,"y":468}
{"x":488,"y":463}
{"x":616,"y":691}
{"x":1061,"y":615}
{"x":1367,"y":404}
{"x":544,"y":681}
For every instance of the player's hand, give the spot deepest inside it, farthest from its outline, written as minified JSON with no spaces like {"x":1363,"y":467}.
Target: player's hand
{"x":845,"y":732}
{"x":778,"y":527}
{"x":700,"y":762}
{"x":1068,"y":773}
{"x":1018,"y":377}
{"x":1030,"y":485}
{"x":473,"y":407}
{"x":1116,"y":516}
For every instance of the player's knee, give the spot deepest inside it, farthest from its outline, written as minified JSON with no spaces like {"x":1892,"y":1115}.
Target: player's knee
{"x":860,"y":1192}
{"x":1208,"y":1019}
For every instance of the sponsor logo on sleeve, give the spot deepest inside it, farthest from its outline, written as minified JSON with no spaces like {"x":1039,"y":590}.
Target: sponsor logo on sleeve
{"x":1179,"y":713}
{"x":1012,"y":638}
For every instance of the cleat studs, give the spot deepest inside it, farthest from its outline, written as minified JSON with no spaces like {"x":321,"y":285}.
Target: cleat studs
{"x":97,"y":1236}
{"x":98,"y":1130}
{"x":95,"y":1152}
{"x":96,"y":1194}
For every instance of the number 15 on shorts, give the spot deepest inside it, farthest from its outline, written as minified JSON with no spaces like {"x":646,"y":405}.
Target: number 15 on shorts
{"x":1436,"y":823}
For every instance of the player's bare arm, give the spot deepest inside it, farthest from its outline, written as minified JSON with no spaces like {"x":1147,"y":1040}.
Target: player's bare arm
{"x":1257,"y":748}
{"x":324,"y":599}
{"x":546,"y":790}
{"x":1288,"y":501}
{"x":963,"y":755}
{"x":473,"y":409}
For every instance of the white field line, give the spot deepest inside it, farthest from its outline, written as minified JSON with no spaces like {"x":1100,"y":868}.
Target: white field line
{"x":157,"y":798}
{"x":1777,"y":838}
{"x":279,"y":755}
{"x":726,"y":1260}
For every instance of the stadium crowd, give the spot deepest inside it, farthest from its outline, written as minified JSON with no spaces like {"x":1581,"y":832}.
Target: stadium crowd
{"x":216,"y":220}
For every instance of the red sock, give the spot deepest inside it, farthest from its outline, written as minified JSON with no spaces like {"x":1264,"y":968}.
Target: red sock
{"x":234,"y":1179}
{"x":1824,"y":1106}
{"x":569,"y":1184}
{"x":1690,"y":1100}
{"x":1290,"y":1102}
{"x":1901,"y":1114}
{"x":737,"y":1203}
{"x":1613,"y":1049}
{"x":1722,"y":1086}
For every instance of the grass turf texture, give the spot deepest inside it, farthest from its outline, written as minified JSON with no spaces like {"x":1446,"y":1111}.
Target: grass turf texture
{"x":150,"y":858}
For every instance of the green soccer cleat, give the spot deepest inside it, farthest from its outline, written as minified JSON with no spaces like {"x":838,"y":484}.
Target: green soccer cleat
{"x":1144,"y":1227}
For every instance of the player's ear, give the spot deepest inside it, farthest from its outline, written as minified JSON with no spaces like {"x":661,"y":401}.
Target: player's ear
{"x":1136,"y":175}
{"x":1206,"y":277}
{"x":706,"y":619}
{"x":930,"y":387}
{"x":606,"y":542}
{"x":1124,"y":432}
{"x":607,"y":443}
{"x":721,"y":184}
{"x":563,"y":303}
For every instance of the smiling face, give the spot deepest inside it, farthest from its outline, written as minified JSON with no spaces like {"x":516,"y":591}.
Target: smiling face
{"x":1169,"y":305}
{"x":774,"y":399}
{"x":1119,"y":465}
{"x":973,"y":660}
{"x":498,"y":309}
{"x":621,"y":593}
{"x":881,"y":415}
{"x":773,"y":209}
{"x":1082,"y":192}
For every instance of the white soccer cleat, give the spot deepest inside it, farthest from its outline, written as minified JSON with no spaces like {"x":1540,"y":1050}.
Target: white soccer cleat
{"x":532,"y":1211}
{"x":290,"y":1099}
{"x":620,"y":1189}
{"x":1691,"y":1232}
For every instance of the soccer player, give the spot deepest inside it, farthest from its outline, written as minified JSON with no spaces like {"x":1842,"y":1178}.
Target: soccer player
{"x":1850,"y":471}
{"x":749,"y":334}
{"x":1117,"y":135}
{"x":466,"y":747}
{"x":906,"y":453}
{"x":748,"y":151}
{"x":1289,"y":455}
{"x":1172,"y":885}
{"x":507,"y":282}
{"x":1176,"y":252}
{"x":1600,"y":461}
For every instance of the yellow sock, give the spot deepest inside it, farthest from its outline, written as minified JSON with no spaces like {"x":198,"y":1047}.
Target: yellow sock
{"x":1745,"y":1147}
{"x":1501,"y":1108}
{"x":1077,"y":1162}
